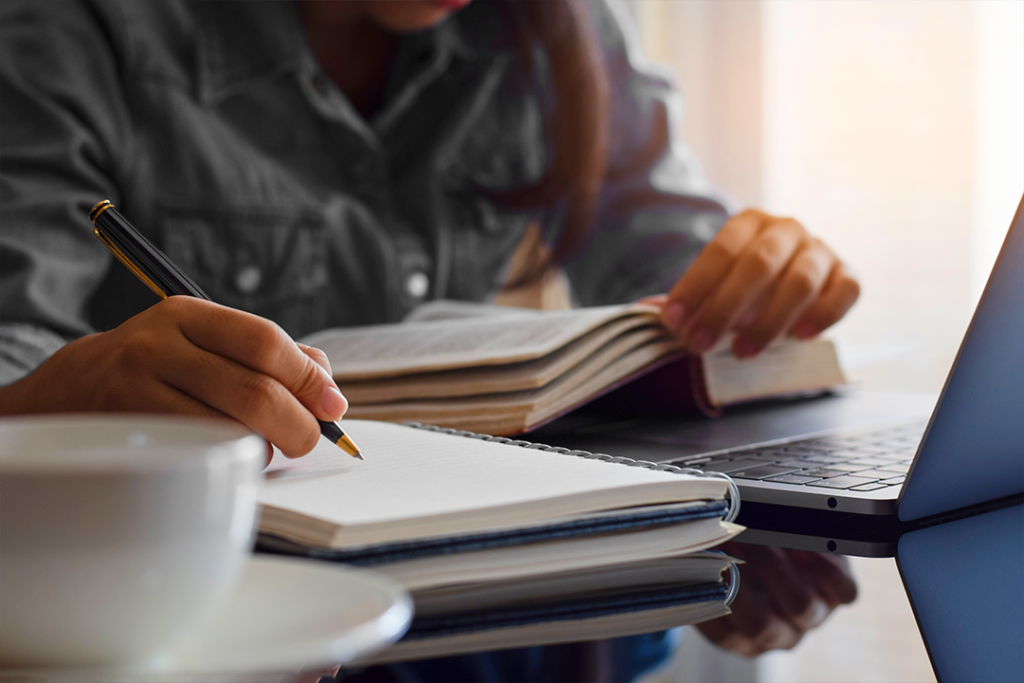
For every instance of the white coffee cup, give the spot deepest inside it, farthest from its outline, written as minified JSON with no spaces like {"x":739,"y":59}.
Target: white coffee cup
{"x":119,"y":534}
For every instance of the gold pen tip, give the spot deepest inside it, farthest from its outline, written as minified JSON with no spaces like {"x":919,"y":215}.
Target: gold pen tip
{"x":346,"y":444}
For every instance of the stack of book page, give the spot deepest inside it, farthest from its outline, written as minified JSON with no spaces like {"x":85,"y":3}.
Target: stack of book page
{"x":505,"y":371}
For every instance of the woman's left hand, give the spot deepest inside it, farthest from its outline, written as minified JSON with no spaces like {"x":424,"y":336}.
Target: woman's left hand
{"x":761,"y":276}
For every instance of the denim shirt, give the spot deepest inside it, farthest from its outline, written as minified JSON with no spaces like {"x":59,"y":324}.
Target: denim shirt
{"x":213,"y":129}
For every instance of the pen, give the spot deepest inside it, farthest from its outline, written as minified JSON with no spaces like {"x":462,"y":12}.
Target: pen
{"x":159,"y":273}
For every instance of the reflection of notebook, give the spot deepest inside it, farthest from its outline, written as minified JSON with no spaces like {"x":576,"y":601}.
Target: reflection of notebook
{"x":569,"y":607}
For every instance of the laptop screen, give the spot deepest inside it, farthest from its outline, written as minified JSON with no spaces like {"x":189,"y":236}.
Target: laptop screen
{"x":964,"y":582}
{"x":973,"y":451}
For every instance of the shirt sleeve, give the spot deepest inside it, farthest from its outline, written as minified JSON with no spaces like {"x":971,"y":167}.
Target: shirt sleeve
{"x":656,"y":210}
{"x":61,"y":110}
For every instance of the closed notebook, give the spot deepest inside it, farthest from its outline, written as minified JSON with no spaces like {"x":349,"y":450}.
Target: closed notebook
{"x":422,"y":493}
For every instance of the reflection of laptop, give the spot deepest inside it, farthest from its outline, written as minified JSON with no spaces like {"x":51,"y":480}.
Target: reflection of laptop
{"x":963,"y":579}
{"x":850,"y":484}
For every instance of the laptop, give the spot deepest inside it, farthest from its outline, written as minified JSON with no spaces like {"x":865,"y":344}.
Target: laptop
{"x":858,"y":490}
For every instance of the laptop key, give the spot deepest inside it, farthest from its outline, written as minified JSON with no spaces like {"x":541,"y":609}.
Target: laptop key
{"x":848,"y":467}
{"x":731,"y":465}
{"x":868,"y":487}
{"x":762,"y":472}
{"x":824,"y":472}
{"x":772,"y":451}
{"x":848,"y":453}
{"x":825,"y":459}
{"x":870,"y":462}
{"x":766,"y":457}
{"x":825,"y":444}
{"x":795,"y":464}
{"x":890,"y":457}
{"x":844,"y":482}
{"x":796,"y":478}
{"x":803,"y":450}
{"x":895,"y":468}
{"x":868,"y":450}
{"x":893,"y":480}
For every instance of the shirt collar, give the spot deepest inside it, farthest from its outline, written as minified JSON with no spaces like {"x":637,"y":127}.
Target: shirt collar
{"x":421,"y":59}
{"x":242,"y":44}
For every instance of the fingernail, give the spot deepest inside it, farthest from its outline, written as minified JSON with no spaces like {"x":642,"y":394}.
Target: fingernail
{"x":700,"y":341}
{"x":805,"y":330}
{"x":744,"y":349}
{"x":673,"y":315}
{"x":333,"y":403}
{"x":816,"y":613}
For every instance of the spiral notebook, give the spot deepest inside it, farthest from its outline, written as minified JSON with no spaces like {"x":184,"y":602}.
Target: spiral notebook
{"x":425,"y":494}
{"x":570,"y":607}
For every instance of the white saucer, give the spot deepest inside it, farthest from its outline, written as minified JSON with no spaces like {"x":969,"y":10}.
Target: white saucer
{"x":286,"y":615}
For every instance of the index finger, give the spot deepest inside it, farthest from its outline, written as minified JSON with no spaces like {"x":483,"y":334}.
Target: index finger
{"x":710,"y":267}
{"x":261,"y":345}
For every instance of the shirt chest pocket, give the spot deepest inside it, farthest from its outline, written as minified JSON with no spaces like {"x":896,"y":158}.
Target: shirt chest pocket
{"x":268,"y":261}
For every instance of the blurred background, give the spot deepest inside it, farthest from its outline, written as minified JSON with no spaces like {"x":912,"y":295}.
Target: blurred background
{"x":894,"y":130}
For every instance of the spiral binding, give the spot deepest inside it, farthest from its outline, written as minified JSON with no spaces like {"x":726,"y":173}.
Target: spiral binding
{"x":734,"y":584}
{"x":733,"y":496}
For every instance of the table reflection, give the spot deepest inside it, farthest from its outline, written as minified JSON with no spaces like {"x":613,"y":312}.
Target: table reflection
{"x":769,"y":599}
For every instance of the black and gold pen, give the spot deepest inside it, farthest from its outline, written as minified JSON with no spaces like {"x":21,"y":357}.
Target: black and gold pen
{"x":159,"y":273}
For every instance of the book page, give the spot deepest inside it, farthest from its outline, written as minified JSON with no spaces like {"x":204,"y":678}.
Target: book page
{"x":787,"y":366}
{"x":606,"y":341}
{"x":390,"y":350}
{"x":452,"y":309}
{"x":415,"y":482}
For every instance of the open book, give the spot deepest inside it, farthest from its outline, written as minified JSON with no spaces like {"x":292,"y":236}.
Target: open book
{"x":469,"y":367}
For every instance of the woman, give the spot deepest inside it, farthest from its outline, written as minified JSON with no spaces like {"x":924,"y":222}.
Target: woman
{"x":327,"y":164}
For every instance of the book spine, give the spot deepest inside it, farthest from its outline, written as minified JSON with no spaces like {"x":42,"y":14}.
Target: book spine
{"x":733,"y":495}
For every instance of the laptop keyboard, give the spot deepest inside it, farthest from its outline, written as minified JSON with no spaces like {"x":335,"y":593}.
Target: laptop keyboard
{"x":859,"y":462}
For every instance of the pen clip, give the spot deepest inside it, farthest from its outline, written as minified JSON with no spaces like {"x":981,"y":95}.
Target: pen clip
{"x":127,"y":262}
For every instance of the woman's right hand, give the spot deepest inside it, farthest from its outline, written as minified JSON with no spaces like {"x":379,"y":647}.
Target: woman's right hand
{"x":783,"y":595}
{"x":191,"y":357}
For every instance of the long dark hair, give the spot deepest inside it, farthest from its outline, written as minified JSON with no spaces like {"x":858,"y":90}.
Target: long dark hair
{"x":578,"y":126}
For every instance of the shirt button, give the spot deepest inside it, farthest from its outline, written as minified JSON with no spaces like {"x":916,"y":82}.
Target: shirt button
{"x":248,"y":279}
{"x":417,"y":284}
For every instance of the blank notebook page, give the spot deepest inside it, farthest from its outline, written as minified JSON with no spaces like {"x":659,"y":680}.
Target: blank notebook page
{"x":414,"y":474}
